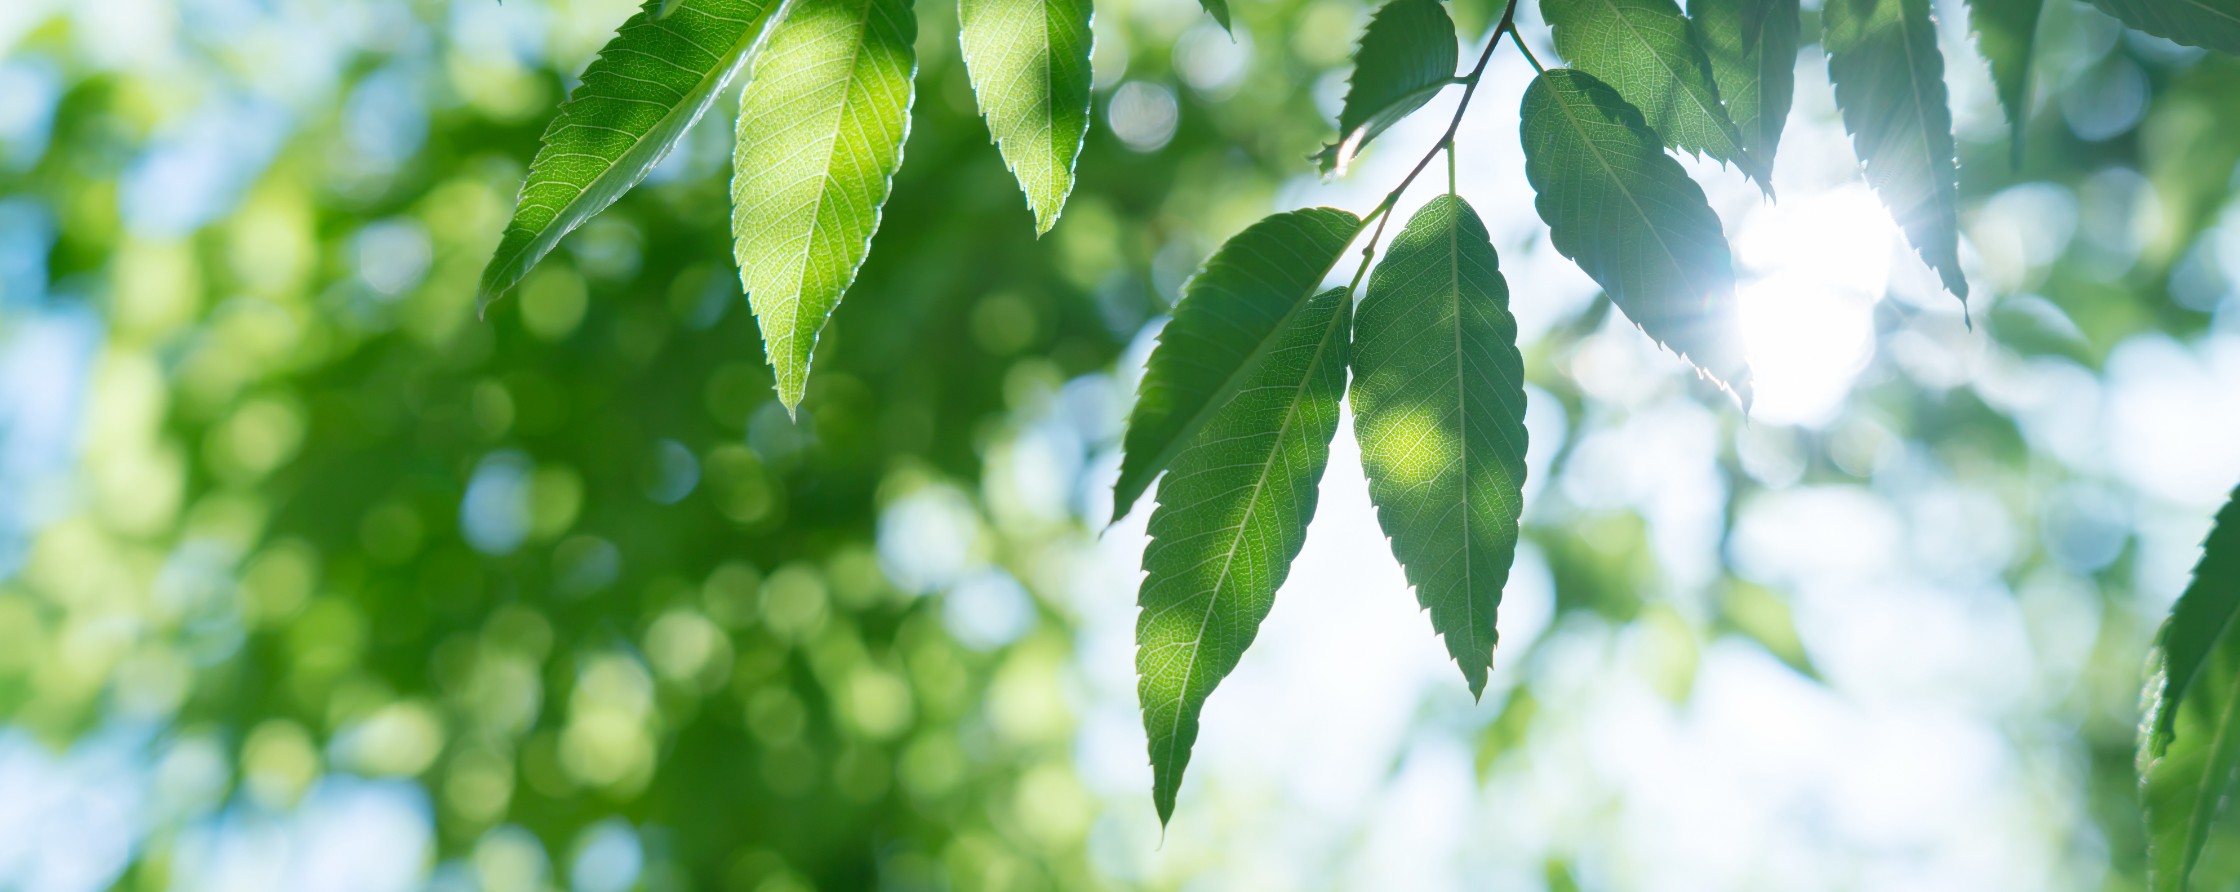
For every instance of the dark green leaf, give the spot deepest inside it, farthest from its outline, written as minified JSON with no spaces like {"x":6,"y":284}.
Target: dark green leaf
{"x":1219,"y":9}
{"x":1029,"y":63}
{"x":1631,"y":217}
{"x":2006,"y":34}
{"x":1643,"y":49}
{"x":1232,"y":515}
{"x":2209,"y":24}
{"x":1407,"y":55}
{"x":1889,"y":78}
{"x":651,"y":82}
{"x":1232,"y":314}
{"x":2190,"y":740}
{"x":1438,"y":403}
{"x":821,"y":127}
{"x":1752,"y":45}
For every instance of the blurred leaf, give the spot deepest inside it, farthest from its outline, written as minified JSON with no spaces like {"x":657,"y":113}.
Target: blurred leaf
{"x":1231,"y":516}
{"x":2007,"y":34}
{"x":1233,"y":314}
{"x":1631,"y":217}
{"x":1763,"y":617}
{"x":1644,"y":50}
{"x":1219,"y":9}
{"x":821,"y":127}
{"x":2209,"y":24}
{"x":1407,"y":55}
{"x":1752,"y":45}
{"x":1029,"y":63}
{"x":2190,"y":740}
{"x":1889,"y":78}
{"x":1507,"y":732}
{"x":648,"y":86}
{"x":1438,"y":400}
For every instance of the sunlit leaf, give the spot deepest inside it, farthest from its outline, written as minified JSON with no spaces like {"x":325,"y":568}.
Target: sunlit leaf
{"x":1232,"y":514}
{"x":1644,"y":50}
{"x":1889,"y":79}
{"x":1631,"y":217}
{"x":1752,"y":45}
{"x":1438,"y":402}
{"x":651,"y":82}
{"x":2209,"y":24}
{"x":2007,"y":34}
{"x":821,"y":126}
{"x":2190,"y":741}
{"x":1407,"y":55}
{"x":1232,"y":315}
{"x":1029,"y":64}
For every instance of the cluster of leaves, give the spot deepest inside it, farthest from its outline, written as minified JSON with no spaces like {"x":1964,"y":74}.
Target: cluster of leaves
{"x":1241,"y":396}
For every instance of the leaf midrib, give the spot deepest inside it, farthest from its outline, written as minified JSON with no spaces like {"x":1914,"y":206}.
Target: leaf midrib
{"x":1616,"y":181}
{"x":1651,"y":51}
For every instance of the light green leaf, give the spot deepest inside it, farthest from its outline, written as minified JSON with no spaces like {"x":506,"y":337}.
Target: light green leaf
{"x":2209,"y":24}
{"x":1643,"y":49}
{"x":1029,"y":63}
{"x":1438,"y":405}
{"x":2006,"y":34}
{"x":1889,"y":79}
{"x":1232,"y":515}
{"x":1407,"y":55}
{"x":2190,"y":740}
{"x":651,"y":82}
{"x":1630,"y":216}
{"x":1752,"y":45}
{"x":821,"y":127}
{"x":1232,"y":314}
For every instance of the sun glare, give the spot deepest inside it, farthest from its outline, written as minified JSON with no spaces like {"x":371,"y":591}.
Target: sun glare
{"x":1812,"y":269}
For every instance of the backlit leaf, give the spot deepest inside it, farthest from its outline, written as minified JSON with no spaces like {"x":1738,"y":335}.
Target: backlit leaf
{"x":1029,"y":63}
{"x":1752,"y":45}
{"x":663,"y":68}
{"x":1889,"y":79}
{"x":1438,"y":403}
{"x":2190,"y":741}
{"x":2209,"y":24}
{"x":1407,"y":55}
{"x":1643,"y":49}
{"x":821,"y":127}
{"x":2006,"y":34}
{"x":1630,"y":216}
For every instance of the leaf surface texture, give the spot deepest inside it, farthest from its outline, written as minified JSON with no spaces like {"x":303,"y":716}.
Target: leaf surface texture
{"x":1029,"y":64}
{"x":1752,"y":46}
{"x":2190,"y":741}
{"x":1645,"y":51}
{"x":1889,"y":80}
{"x":1407,"y":55}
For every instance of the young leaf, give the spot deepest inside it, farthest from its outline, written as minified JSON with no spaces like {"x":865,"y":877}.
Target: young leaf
{"x":2006,"y":33}
{"x":1628,"y":214}
{"x":1438,"y":405}
{"x":1230,"y":318}
{"x":1642,"y":49}
{"x":651,"y":82}
{"x":1029,"y":63}
{"x":821,"y":127}
{"x":1889,"y":79}
{"x":1232,"y":514}
{"x":2209,"y":24}
{"x":2190,"y":741}
{"x":1752,"y":45}
{"x":1407,"y":55}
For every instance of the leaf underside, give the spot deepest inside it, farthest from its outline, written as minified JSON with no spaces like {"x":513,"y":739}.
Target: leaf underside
{"x":821,"y":127}
{"x":1628,"y":214}
{"x":1643,"y":50}
{"x":661,"y":71}
{"x":1407,"y":55}
{"x":1752,"y":45}
{"x":1029,"y":64}
{"x":2190,"y":741}
{"x":2209,"y":24}
{"x":1889,"y":80}
{"x":1231,"y":315}
{"x":1438,"y":402}
{"x":1232,"y":515}
{"x":2007,"y":34}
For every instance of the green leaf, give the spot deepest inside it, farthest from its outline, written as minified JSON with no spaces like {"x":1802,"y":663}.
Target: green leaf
{"x":1438,"y":403}
{"x":2006,"y":34}
{"x":821,"y":127}
{"x":1029,"y":63}
{"x":1219,"y":9}
{"x":651,"y":82}
{"x":1630,"y":216}
{"x":2190,"y":741}
{"x":1889,"y":79}
{"x":2209,"y":24}
{"x":1752,"y":45}
{"x":1232,"y":515}
{"x":1232,"y":314}
{"x":1643,"y":49}
{"x":1407,"y":55}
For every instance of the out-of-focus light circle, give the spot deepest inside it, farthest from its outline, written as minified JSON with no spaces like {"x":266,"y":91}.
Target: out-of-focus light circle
{"x":1143,"y":115}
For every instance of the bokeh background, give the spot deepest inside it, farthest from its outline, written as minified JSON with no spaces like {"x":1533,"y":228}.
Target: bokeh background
{"x":310,"y":580}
